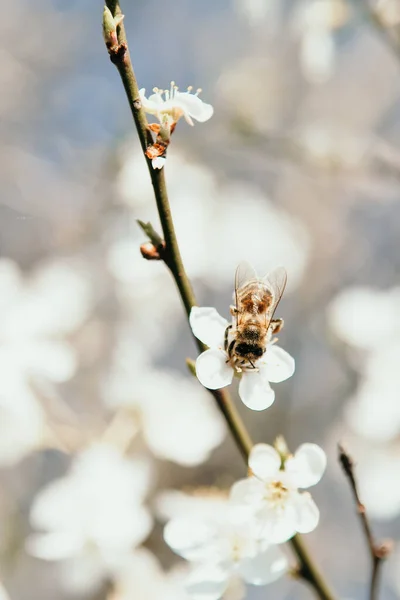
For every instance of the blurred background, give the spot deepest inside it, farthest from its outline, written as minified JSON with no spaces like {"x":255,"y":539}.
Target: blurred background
{"x":100,"y":421}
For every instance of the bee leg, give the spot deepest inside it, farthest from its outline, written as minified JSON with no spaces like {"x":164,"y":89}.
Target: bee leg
{"x":233,"y":310}
{"x":226,"y":337}
{"x":276,"y":325}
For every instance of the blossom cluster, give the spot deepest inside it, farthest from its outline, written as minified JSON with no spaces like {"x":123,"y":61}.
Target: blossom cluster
{"x":264,"y":510}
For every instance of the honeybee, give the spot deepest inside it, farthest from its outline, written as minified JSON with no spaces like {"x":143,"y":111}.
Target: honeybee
{"x":253,"y":324}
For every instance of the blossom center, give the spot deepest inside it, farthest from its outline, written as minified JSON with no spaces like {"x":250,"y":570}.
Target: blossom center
{"x":276,"y":493}
{"x":170,"y":95}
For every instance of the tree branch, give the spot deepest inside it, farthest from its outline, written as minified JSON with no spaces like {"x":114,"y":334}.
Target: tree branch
{"x":378,"y":551}
{"x":172,"y":258}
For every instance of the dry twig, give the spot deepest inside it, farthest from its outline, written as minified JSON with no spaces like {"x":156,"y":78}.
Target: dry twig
{"x":378,"y":551}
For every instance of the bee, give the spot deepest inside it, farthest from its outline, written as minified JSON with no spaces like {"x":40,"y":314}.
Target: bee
{"x":253,"y":323}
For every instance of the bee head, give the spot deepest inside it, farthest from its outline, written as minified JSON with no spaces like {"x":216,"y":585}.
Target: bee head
{"x":245,"y":350}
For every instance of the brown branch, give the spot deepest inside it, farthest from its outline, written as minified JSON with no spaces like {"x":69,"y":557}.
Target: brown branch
{"x":119,"y":55}
{"x":378,"y":551}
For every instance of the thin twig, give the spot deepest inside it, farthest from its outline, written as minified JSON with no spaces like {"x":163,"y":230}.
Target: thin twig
{"x":172,"y":258}
{"x":378,"y":551}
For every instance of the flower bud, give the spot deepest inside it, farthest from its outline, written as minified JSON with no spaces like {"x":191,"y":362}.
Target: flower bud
{"x":150,"y":252}
{"x":110,"y":25}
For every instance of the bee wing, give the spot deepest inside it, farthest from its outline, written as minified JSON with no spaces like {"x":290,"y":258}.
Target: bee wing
{"x":276,"y":282}
{"x":244,"y":273}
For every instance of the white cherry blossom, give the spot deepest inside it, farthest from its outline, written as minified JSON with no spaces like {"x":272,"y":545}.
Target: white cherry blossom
{"x":214,"y":369}
{"x":176,"y":104}
{"x":271,"y":494}
{"x":220,"y":549}
{"x":93,"y":517}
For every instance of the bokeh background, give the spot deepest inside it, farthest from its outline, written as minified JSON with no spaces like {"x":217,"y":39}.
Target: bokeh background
{"x":299,"y":166}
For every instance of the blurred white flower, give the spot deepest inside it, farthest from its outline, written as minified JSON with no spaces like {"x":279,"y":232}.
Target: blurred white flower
{"x":22,"y":423}
{"x":375,"y":411}
{"x":361,"y":316}
{"x":316,"y":21}
{"x":34,"y":316}
{"x":140,"y":286}
{"x":317,"y":55}
{"x":3,"y":593}
{"x":204,"y":503}
{"x":331,"y":147}
{"x":214,"y":369}
{"x":208,"y":504}
{"x":178,"y":420}
{"x":259,"y":12}
{"x":271,"y":493}
{"x":217,"y":210}
{"x":368,"y":321}
{"x":220,"y":549}
{"x":93,"y":517}
{"x":142,"y":578}
{"x":176,"y":104}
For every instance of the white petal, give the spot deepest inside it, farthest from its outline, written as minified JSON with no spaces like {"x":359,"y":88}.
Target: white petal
{"x":54,"y":546}
{"x":264,"y":461}
{"x":307,"y":513}
{"x":208,"y":326}
{"x":207,"y":583}
{"x":278,"y":526}
{"x":277,"y":365}
{"x":265,"y":567}
{"x":247,"y":492}
{"x":189,"y":537}
{"x":212,"y":370}
{"x":150,"y":104}
{"x":158,"y":163}
{"x":196,"y":108}
{"x":255,"y":391}
{"x":307,"y":465}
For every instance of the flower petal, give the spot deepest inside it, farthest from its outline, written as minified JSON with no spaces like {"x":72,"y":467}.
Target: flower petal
{"x":158,"y":163}
{"x":247,"y":493}
{"x":189,"y":537}
{"x":307,"y":466}
{"x":255,"y":391}
{"x":277,"y":526}
{"x":193,"y":105}
{"x":264,"y":461}
{"x":307,"y":513}
{"x":265,"y":567}
{"x":212,"y":370}
{"x":207,"y":582}
{"x":276,"y":364}
{"x":54,"y":546}
{"x":208,"y":326}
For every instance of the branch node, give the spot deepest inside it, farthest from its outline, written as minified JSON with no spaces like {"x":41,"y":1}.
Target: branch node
{"x":117,"y":53}
{"x":155,"y":248}
{"x":384,"y":549}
